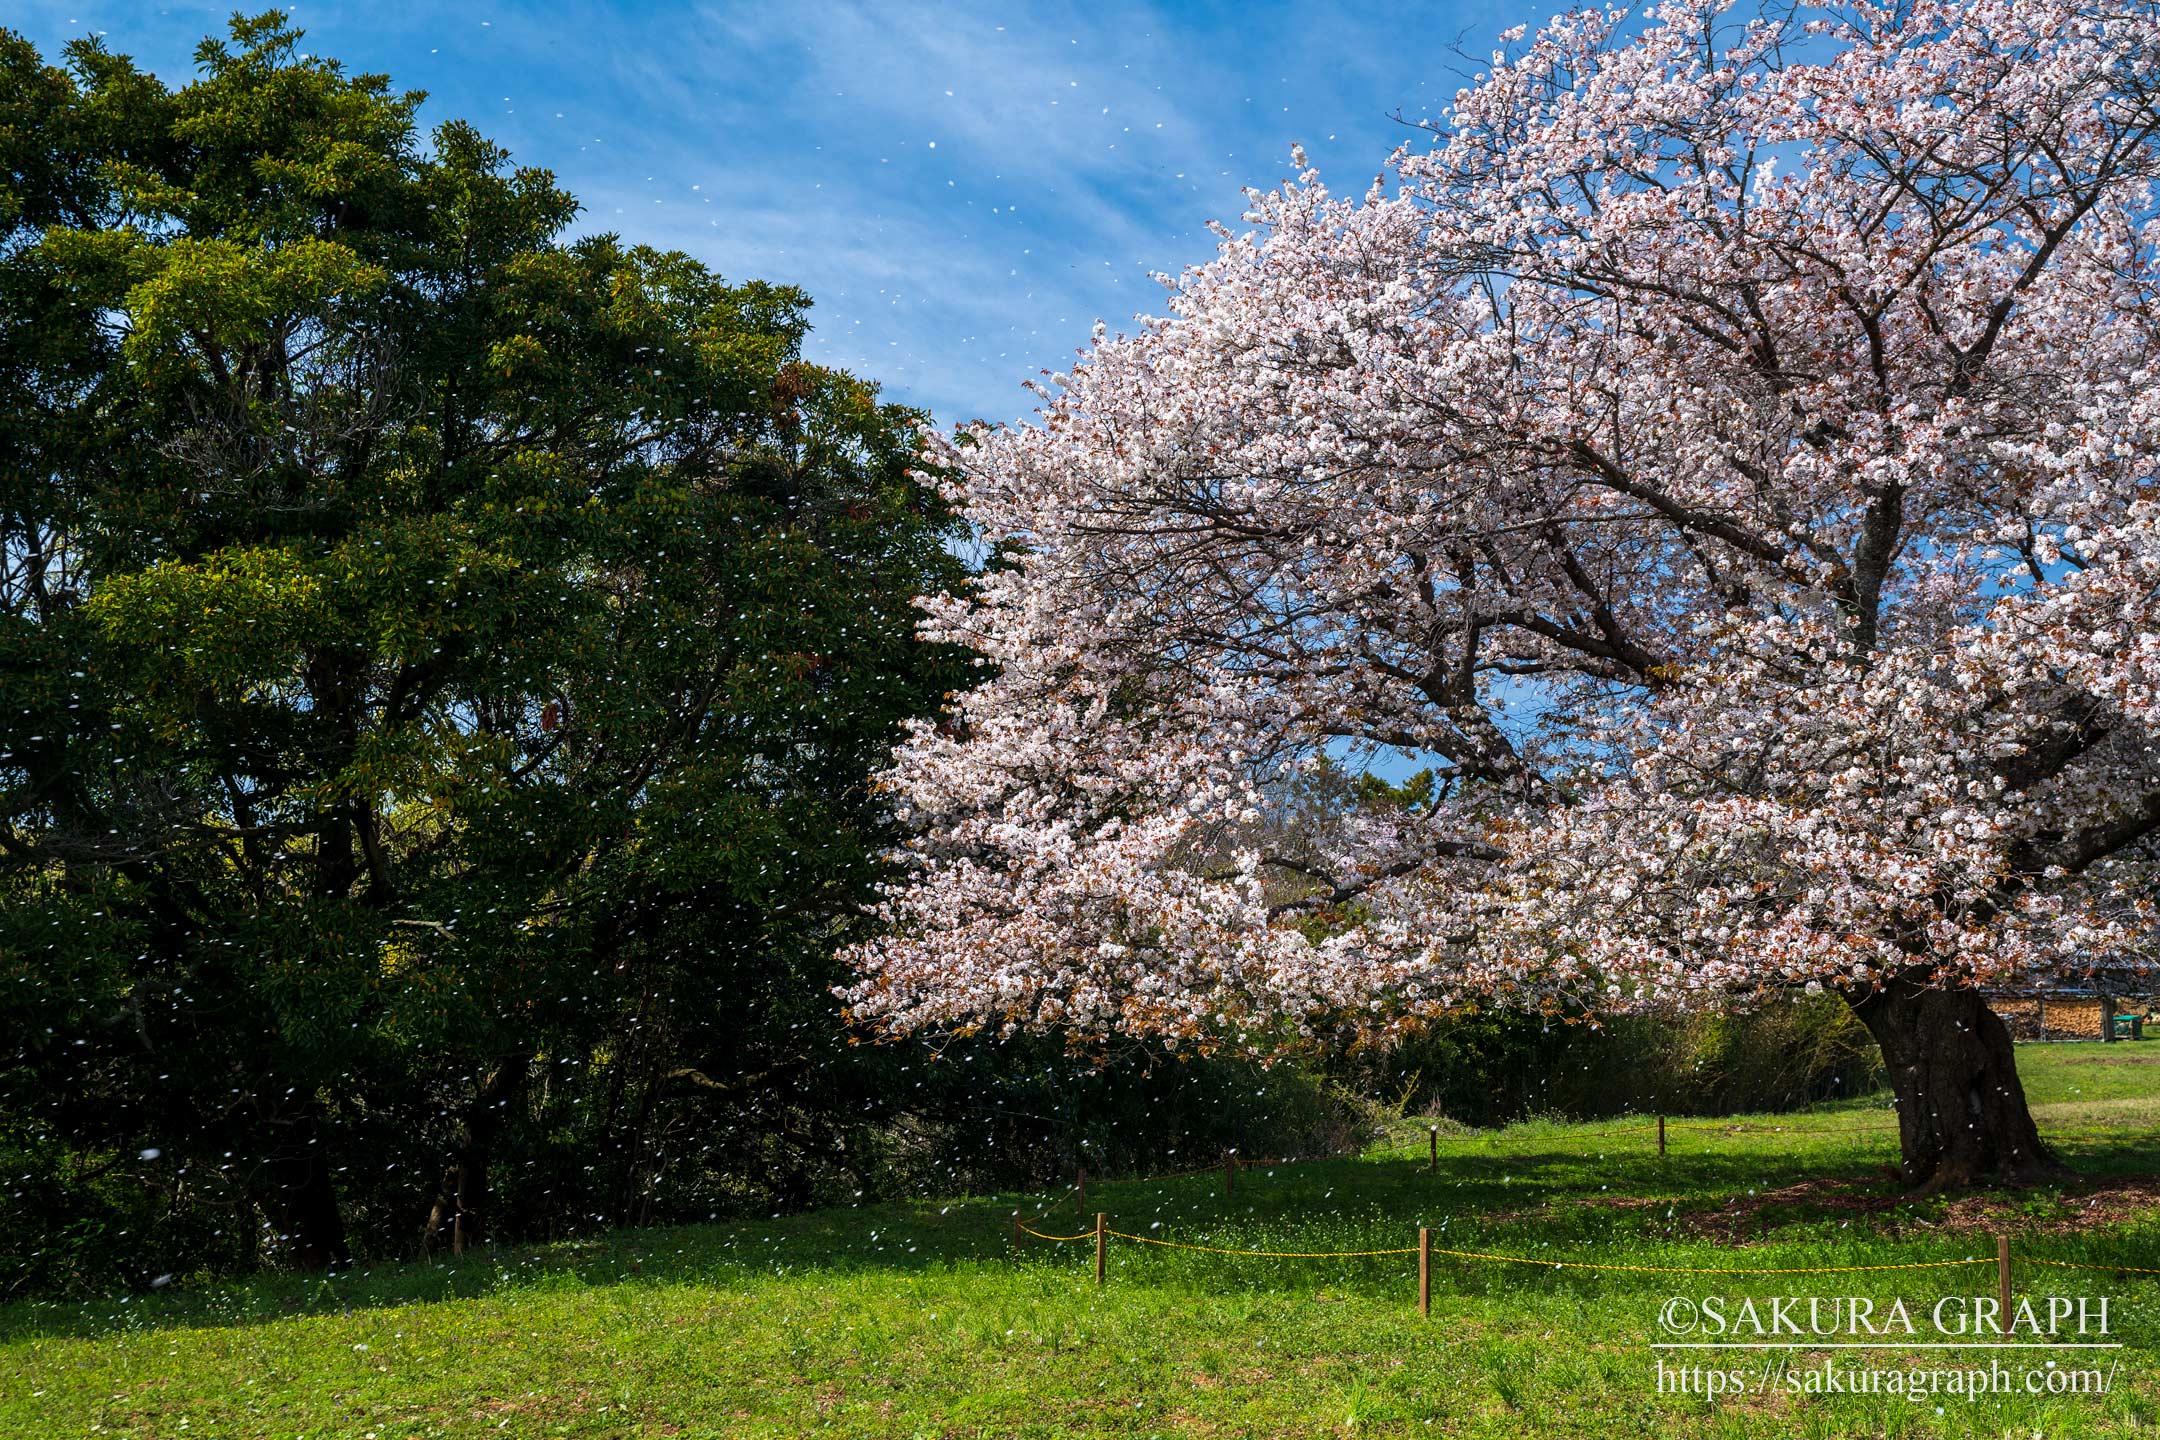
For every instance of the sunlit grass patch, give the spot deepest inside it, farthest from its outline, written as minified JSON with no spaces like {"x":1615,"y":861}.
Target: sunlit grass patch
{"x":921,"y":1318}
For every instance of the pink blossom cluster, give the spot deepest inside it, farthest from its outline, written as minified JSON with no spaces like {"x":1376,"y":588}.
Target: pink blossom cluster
{"x":1726,"y":453}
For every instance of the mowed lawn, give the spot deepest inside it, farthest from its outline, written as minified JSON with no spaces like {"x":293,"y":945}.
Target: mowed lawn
{"x":920,"y":1319}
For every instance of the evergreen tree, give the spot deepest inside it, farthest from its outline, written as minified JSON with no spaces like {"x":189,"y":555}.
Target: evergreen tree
{"x":441,"y":659}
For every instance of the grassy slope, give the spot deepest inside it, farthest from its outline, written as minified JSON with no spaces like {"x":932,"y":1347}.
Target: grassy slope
{"x":916,"y":1319}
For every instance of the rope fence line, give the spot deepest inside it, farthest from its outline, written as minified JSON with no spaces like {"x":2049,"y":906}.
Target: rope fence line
{"x":1663,"y":1126}
{"x":2087,"y":1265}
{"x":1666,"y":1125}
{"x":1537,"y":1139}
{"x":1267,"y":1254}
{"x":1055,"y":1201}
{"x":1548,"y":1264}
{"x":1871,"y":1128}
{"x":1877,"y":1127}
{"x":1425,"y":1250}
{"x":1232,"y":1162}
{"x":1707,"y":1269}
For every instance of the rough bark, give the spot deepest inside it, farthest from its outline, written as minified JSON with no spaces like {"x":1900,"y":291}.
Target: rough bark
{"x":462,"y":1201}
{"x":1962,"y":1116}
{"x":300,"y":1200}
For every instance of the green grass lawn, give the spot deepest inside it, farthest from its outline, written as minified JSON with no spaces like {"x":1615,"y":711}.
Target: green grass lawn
{"x":919,"y":1319}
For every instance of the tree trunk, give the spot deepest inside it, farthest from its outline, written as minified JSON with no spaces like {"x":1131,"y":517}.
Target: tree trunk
{"x":461,"y":1204}
{"x":298,"y":1197}
{"x":1962,"y":1117}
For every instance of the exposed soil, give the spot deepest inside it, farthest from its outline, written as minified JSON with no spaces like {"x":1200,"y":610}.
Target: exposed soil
{"x":2066,"y":1210}
{"x":1884,"y":1206}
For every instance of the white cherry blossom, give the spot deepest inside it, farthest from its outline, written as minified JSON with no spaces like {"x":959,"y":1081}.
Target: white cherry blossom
{"x":1728,"y":449}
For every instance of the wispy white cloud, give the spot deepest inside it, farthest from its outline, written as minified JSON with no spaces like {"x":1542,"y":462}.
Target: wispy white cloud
{"x":964,"y":188}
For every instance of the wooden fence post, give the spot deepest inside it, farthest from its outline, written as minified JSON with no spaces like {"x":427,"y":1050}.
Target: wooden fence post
{"x":1661,"y":1136}
{"x":1432,"y":1140}
{"x":1102,"y":1244}
{"x":1424,"y":1271}
{"x":1016,"y":1230}
{"x":2002,"y":1280}
{"x":1229,"y":1173}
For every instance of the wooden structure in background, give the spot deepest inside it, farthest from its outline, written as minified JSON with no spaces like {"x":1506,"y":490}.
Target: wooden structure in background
{"x":2073,"y":1014}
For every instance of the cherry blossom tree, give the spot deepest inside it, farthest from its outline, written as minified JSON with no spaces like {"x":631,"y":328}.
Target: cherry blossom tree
{"x":1726,"y":451}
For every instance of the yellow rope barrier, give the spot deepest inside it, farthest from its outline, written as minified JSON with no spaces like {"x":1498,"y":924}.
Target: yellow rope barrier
{"x":1707,"y":1269}
{"x":2086,"y":1265}
{"x":1567,"y":1135}
{"x":1495,"y":1258}
{"x":1881,"y":1127}
{"x":1264,"y":1254}
{"x":1871,"y":1128}
{"x":1561,"y":1264}
{"x":1508,"y":1140}
{"x":1055,"y":1202}
{"x":1572,"y":1135}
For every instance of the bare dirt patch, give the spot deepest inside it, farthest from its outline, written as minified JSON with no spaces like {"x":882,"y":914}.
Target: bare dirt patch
{"x":2072,"y":1209}
{"x":2079,"y":1208}
{"x":1884,"y":1206}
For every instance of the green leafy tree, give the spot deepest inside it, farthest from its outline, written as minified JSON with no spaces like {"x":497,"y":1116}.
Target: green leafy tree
{"x":440,"y":661}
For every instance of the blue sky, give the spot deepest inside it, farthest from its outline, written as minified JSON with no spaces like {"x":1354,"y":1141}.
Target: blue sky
{"x":963,"y":189}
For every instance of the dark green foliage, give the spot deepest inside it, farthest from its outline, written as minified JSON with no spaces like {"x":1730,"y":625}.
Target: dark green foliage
{"x":441,"y":665}
{"x":1489,"y":1069}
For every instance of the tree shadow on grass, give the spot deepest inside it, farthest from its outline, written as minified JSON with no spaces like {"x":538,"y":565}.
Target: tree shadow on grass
{"x":1557,"y":1199}
{"x":738,"y":1254}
